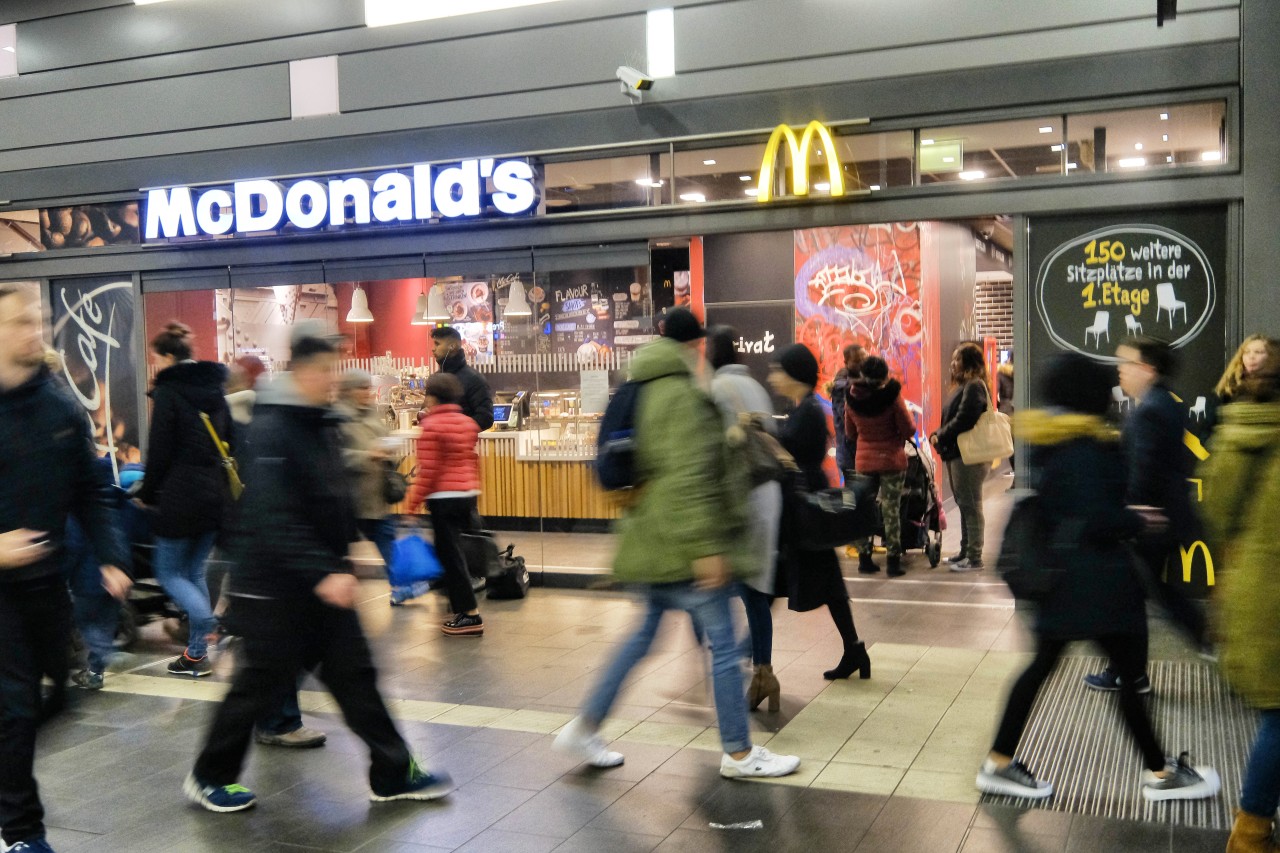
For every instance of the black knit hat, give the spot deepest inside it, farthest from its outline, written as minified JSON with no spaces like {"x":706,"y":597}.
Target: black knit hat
{"x":681,"y":326}
{"x":875,"y":370}
{"x":798,"y":362}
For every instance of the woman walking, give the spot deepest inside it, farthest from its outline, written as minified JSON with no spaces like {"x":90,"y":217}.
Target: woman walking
{"x":812,"y":578}
{"x":737,"y":394}
{"x":970,"y":397}
{"x":1242,"y":497}
{"x":878,"y":420}
{"x":185,"y":483}
{"x":1084,"y":526}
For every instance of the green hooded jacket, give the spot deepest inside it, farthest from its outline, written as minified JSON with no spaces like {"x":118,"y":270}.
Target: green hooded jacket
{"x":1241,"y":503}
{"x":691,"y":502}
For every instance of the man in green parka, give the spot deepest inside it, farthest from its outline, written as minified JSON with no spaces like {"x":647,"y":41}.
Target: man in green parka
{"x":677,"y":542}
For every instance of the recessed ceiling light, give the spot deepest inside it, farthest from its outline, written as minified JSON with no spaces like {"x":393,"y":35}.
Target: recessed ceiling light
{"x":752,"y":191}
{"x":1071,"y":166}
{"x":1169,"y":158}
{"x":708,"y":162}
{"x":656,"y":184}
{"x":1046,"y":129}
{"x":1137,"y":146}
{"x":1164,"y":116}
{"x":663,"y":244}
{"x":381,"y":13}
{"x":1211,"y":155}
{"x":874,"y":187}
{"x":644,"y":182}
{"x":974,"y":175}
{"x":1057,"y":147}
{"x":694,"y":197}
{"x":948,"y":159}
{"x":1164,"y":138}
{"x":1132,"y":162}
{"x":822,"y":187}
{"x":926,"y":141}
{"x":745,"y":178}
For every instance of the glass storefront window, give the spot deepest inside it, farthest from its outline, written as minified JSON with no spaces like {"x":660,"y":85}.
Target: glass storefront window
{"x":20,"y":232}
{"x":607,"y":183}
{"x":1003,"y":149}
{"x":1128,"y":141}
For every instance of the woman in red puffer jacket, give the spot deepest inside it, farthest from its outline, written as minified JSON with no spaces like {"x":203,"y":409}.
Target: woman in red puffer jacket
{"x":448,"y":478}
{"x":876,"y":417}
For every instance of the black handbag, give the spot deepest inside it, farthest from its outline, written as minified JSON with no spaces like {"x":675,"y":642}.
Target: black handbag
{"x":511,"y":580}
{"x":395,"y":485}
{"x":829,"y":518}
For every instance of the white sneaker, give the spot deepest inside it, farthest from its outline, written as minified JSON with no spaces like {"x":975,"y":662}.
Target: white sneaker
{"x":575,"y":739}
{"x":1012,"y":780}
{"x":1184,"y":782}
{"x":759,"y":762}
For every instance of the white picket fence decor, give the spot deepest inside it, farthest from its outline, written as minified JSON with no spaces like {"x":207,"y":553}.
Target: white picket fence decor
{"x":540,"y":363}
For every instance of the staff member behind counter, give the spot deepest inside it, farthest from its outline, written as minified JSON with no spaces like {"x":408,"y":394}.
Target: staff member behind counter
{"x":477,"y":398}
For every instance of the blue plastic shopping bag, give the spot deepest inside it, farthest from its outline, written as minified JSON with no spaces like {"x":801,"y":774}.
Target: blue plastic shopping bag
{"x":414,"y":566}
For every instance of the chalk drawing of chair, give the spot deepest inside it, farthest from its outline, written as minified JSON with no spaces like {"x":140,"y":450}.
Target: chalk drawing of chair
{"x":1198,"y":410}
{"x":1167,"y":300}
{"x":1131,"y":325}
{"x":1101,"y":326}
{"x":1117,"y":394}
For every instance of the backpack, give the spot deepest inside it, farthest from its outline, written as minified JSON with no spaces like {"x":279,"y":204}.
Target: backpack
{"x":616,"y":447}
{"x":1028,"y":560}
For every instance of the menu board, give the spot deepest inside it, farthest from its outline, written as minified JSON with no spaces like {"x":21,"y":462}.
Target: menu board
{"x":592,"y":313}
{"x":468,"y":302}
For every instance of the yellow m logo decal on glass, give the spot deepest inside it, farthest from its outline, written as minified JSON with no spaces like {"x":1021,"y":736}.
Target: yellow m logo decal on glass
{"x":1188,"y":558}
{"x":799,"y":149}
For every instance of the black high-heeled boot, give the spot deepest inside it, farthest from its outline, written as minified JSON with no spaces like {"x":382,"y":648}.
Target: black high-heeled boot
{"x":854,"y":658}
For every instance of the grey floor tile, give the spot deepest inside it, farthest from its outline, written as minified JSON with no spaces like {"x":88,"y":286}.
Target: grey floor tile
{"x":1010,"y":840}
{"x":1192,"y":840}
{"x":460,"y":817}
{"x":601,"y":840}
{"x":563,"y":809}
{"x":494,"y":841}
{"x":743,"y":803}
{"x":1027,"y":821}
{"x":1105,"y":835}
{"x":909,"y":826}
{"x":826,"y":820}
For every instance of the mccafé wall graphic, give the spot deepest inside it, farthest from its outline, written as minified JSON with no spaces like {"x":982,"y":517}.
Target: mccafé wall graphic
{"x":1100,"y":280}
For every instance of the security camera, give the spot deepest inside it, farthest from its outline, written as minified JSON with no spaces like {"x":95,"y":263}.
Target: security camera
{"x":634,"y":82}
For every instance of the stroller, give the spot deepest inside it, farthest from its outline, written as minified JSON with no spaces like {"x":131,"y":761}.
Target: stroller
{"x":920,"y":509}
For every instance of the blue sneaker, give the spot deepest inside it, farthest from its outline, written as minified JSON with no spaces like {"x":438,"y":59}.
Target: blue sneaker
{"x":218,"y":798}
{"x":35,"y":845}
{"x":1109,"y":682}
{"x":420,"y":785}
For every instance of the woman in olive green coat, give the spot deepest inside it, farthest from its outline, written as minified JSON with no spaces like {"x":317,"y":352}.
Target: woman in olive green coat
{"x":1241,"y":505}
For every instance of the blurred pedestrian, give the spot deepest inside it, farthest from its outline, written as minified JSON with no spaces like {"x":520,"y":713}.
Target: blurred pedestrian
{"x":682,"y":542}
{"x":878,"y":418}
{"x":1084,"y":526}
{"x":1241,"y":502}
{"x":970,"y":397}
{"x":448,"y":480}
{"x":367,"y":456}
{"x":812,"y":578}
{"x":294,"y":596}
{"x":738,"y":395}
{"x":1250,"y":357}
{"x":49,"y":474}
{"x":186,"y":484}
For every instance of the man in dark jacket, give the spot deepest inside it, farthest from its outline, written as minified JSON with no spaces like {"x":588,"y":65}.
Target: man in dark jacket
{"x":838,"y":391}
{"x":477,"y":399}
{"x":1159,"y":467}
{"x":49,"y":472}
{"x":293,"y":596}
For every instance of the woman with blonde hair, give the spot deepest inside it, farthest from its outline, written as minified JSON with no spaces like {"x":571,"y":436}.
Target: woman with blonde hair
{"x":1249,"y":358}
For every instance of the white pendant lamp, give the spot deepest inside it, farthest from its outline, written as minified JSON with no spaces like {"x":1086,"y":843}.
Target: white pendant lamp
{"x":517,"y":303}
{"x":436,"y":312}
{"x":420,"y":311}
{"x":359,"y":312}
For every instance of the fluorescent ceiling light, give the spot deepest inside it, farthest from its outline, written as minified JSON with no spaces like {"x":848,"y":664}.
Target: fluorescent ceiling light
{"x":1046,"y":129}
{"x":1132,"y":162}
{"x":1164,"y":138}
{"x":1137,"y":146}
{"x":975,"y":175}
{"x":744,"y":177}
{"x":822,"y":186}
{"x":660,"y":38}
{"x":1211,"y":155}
{"x":648,"y":182}
{"x":694,"y":197}
{"x":148,"y":2}
{"x":874,"y":187}
{"x":1057,"y":147}
{"x":1164,"y":116}
{"x":708,"y":162}
{"x":1169,"y":158}
{"x":1071,"y":166}
{"x":926,"y":141}
{"x":752,"y":191}
{"x":948,"y":159}
{"x":382,"y":13}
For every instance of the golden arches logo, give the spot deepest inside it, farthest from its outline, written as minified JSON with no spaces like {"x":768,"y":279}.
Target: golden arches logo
{"x":1188,"y":559}
{"x":799,"y":149}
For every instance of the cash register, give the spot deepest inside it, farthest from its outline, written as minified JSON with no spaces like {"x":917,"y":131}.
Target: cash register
{"x":509,"y":414}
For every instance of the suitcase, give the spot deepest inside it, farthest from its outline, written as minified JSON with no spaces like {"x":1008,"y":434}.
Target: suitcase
{"x":511,"y":580}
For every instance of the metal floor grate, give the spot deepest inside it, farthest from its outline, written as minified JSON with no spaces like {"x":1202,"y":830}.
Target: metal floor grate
{"x":1076,"y":738}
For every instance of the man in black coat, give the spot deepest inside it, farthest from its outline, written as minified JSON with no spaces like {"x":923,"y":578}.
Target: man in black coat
{"x":1159,"y":467}
{"x":477,"y":399}
{"x":48,"y":473}
{"x":293,"y":595}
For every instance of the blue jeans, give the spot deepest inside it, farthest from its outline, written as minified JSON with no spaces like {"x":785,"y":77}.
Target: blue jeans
{"x":179,"y":565}
{"x":759,"y":641}
{"x":97,"y":614}
{"x":709,"y":610}
{"x":1261,"y":794}
{"x":382,"y":533}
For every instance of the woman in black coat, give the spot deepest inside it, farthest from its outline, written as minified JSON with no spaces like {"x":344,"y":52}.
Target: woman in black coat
{"x":185,"y":483}
{"x":811,"y":579}
{"x":1085,"y":526}
{"x":969,"y":398}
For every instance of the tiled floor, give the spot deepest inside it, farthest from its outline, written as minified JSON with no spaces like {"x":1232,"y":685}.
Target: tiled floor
{"x":888,"y":763}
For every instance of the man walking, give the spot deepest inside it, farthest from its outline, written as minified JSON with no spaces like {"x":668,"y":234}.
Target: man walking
{"x":678,"y":542}
{"x":49,"y":472}
{"x":477,"y":399}
{"x":1159,"y":466}
{"x":293,"y":596}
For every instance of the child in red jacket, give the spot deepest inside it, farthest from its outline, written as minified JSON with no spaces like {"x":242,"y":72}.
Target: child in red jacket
{"x":448,"y":478}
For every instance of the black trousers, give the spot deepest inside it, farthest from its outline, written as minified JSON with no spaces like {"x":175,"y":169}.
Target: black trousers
{"x":35,"y":641}
{"x":451,"y":517}
{"x":1185,"y":613}
{"x":282,"y":637}
{"x":1127,"y":652}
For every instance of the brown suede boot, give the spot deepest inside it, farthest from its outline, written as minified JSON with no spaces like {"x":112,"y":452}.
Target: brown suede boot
{"x":764,"y":685}
{"x":1251,"y":834}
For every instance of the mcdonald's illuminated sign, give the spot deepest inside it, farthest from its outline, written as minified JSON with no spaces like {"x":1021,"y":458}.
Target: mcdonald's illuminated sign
{"x":799,"y":149}
{"x":1188,"y":559}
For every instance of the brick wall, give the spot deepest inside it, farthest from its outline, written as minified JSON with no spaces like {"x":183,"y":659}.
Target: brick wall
{"x":993,"y":311}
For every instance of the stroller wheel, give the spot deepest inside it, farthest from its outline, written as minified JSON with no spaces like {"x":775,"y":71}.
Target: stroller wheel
{"x":126,"y":628}
{"x":933,"y":550}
